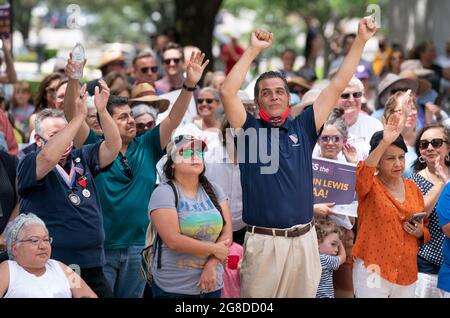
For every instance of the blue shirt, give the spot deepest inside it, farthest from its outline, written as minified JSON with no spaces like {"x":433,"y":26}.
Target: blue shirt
{"x":284,"y":198}
{"x":443,"y":211}
{"x":125,"y":198}
{"x":77,"y":231}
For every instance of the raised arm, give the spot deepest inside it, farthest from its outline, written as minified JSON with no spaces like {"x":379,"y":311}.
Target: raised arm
{"x":11,"y":76}
{"x":194,"y":71}
{"x":110,"y":147}
{"x":234,"y":109}
{"x":330,"y":95}
{"x":392,"y":130}
{"x":53,"y":150}
{"x":73,"y":101}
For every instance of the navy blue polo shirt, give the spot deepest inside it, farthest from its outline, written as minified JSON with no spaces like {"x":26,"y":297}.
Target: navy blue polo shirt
{"x":77,"y":231}
{"x":284,"y":198}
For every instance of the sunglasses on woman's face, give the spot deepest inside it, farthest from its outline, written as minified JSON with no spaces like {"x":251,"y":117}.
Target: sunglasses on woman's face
{"x":148,"y":125}
{"x":333,"y":139}
{"x":436,"y":143}
{"x":188,"y":153}
{"x":207,"y":100}
{"x":355,"y":95}
{"x":175,"y":60}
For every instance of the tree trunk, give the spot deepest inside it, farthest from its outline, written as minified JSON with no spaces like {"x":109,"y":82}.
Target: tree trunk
{"x":22,"y":17}
{"x":195,"y":21}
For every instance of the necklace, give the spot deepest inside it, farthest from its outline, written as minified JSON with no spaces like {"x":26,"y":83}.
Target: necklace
{"x":433,"y":177}
{"x":397,"y":191}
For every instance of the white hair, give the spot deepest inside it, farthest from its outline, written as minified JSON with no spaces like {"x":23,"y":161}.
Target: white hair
{"x":46,"y":113}
{"x":355,"y":82}
{"x":15,"y":231}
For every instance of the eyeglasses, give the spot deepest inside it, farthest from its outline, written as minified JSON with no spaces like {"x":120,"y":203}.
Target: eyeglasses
{"x":154,"y":69}
{"x":126,"y":167}
{"x":355,"y":95}
{"x":36,"y":241}
{"x":175,"y":60}
{"x":42,"y":138}
{"x":207,"y":100}
{"x":436,"y":143}
{"x":188,"y":153}
{"x":148,"y":125}
{"x":333,"y":139}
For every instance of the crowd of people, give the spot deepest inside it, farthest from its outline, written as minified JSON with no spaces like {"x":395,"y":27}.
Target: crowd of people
{"x":156,"y":147}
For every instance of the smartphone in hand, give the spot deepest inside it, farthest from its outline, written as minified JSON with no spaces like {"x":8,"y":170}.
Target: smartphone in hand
{"x":418,"y":217}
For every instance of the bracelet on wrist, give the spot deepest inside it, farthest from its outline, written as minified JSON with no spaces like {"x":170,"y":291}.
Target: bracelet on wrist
{"x":189,"y":88}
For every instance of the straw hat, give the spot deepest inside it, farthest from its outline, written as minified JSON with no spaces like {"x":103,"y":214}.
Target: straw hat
{"x":111,"y":56}
{"x":298,"y":80}
{"x":146,"y":93}
{"x":424,"y":85}
{"x":392,"y":82}
{"x":415,"y":66}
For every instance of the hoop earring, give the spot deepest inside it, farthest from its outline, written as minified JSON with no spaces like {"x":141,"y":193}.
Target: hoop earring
{"x":421,"y":160}
{"x":447,"y":157}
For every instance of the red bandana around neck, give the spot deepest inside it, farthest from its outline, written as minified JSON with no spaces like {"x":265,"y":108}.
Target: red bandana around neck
{"x":277,"y":120}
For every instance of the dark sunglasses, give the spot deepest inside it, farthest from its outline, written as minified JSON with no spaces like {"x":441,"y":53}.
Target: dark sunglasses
{"x":333,"y":139}
{"x":145,"y":70}
{"x":42,"y":138}
{"x":355,"y":95}
{"x":207,"y":100}
{"x":436,"y":143}
{"x":126,"y":167}
{"x":188,"y":153}
{"x":148,"y":125}
{"x":175,"y":60}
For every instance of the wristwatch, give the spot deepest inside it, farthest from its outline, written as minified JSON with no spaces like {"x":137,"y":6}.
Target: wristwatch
{"x":189,"y":89}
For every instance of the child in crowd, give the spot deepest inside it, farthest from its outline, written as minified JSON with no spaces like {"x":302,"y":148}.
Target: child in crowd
{"x":332,"y":255}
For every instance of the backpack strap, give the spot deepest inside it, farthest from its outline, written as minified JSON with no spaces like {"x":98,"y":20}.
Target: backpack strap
{"x":158,"y":239}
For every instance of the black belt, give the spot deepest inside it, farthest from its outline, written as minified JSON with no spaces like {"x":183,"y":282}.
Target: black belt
{"x":277,"y":232}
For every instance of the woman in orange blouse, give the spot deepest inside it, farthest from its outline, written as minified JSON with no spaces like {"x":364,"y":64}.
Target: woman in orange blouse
{"x":385,"y":252}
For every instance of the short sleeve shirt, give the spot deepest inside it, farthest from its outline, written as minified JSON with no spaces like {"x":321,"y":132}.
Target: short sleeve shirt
{"x":77,"y":230}
{"x":277,"y":185}
{"x":443,"y":211}
{"x":199,"y":219}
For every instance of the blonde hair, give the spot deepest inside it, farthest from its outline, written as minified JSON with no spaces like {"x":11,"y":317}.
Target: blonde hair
{"x":392,"y":103}
{"x":325,"y":227}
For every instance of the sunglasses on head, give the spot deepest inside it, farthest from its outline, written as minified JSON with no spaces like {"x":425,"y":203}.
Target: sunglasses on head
{"x":436,"y":143}
{"x":333,"y":139}
{"x":189,"y":152}
{"x":355,"y":95}
{"x":145,"y":70}
{"x":207,"y":100}
{"x":175,"y":60}
{"x":147,"y":125}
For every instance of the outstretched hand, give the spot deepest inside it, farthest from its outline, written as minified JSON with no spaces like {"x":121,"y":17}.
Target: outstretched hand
{"x":101,"y":96}
{"x":261,"y":39}
{"x":367,"y":28}
{"x":195,"y":68}
{"x":393,"y":128}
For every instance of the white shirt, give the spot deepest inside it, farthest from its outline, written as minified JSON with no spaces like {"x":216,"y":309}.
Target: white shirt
{"x":362,"y":131}
{"x":52,"y":284}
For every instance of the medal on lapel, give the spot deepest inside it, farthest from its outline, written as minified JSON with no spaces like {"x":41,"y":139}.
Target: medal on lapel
{"x":74,"y":199}
{"x":82,"y":182}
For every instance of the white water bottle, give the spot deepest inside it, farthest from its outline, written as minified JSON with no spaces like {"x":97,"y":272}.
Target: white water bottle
{"x":78,"y":58}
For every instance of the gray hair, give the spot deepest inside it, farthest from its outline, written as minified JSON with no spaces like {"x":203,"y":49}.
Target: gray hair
{"x":337,"y":120}
{"x":214,"y":92}
{"x":141,"y":109}
{"x":355,"y":82}
{"x":46,"y":113}
{"x":17,"y":227}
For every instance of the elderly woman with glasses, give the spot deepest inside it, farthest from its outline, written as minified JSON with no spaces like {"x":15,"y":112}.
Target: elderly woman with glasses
{"x":145,"y":117}
{"x":193,"y":221}
{"x":30,"y":272}
{"x":431,"y":174}
{"x":389,"y":235}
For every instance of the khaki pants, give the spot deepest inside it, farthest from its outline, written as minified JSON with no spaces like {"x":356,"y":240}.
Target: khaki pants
{"x":276,"y":266}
